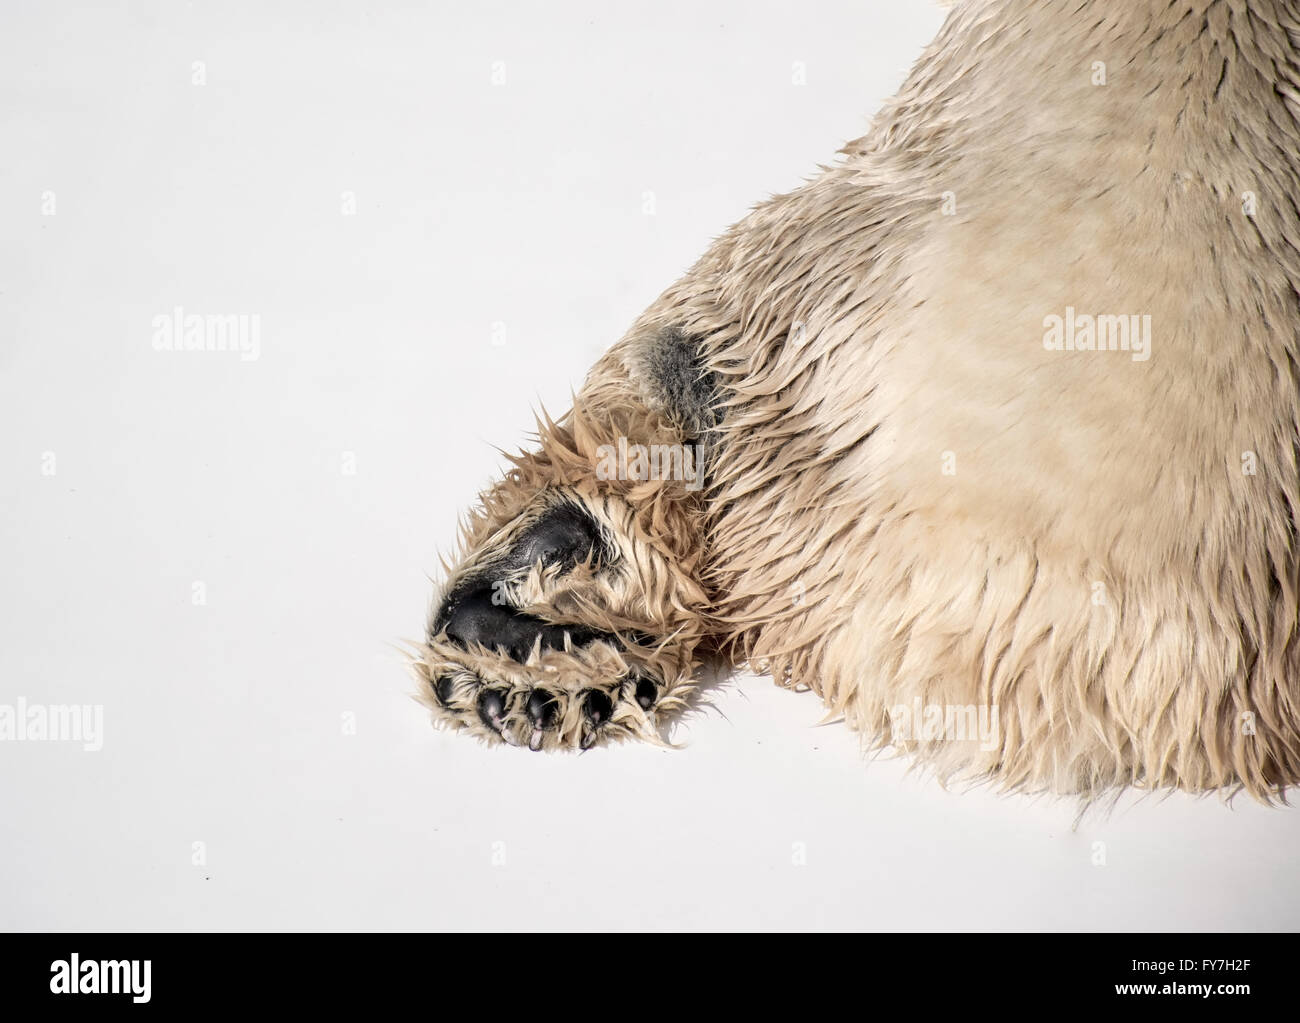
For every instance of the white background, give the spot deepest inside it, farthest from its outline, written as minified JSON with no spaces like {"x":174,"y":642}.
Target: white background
{"x":476,"y":204}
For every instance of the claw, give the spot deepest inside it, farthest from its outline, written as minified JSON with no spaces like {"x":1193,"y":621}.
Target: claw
{"x":646,"y":693}
{"x":492,"y":709}
{"x":542,"y":709}
{"x":598,"y":706}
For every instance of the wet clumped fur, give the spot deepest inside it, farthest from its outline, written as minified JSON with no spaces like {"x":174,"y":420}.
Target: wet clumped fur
{"x":935,"y":476}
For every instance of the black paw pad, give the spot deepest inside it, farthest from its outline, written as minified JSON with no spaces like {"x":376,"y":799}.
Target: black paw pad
{"x":492,"y":708}
{"x":598,"y":706}
{"x":480,"y":619}
{"x":543,"y":709}
{"x":442,"y":690}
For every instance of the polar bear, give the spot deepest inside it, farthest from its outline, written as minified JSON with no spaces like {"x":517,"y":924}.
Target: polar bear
{"x":987,"y":436}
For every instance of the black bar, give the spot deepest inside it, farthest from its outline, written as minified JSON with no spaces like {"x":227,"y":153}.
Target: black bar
{"x":585,"y":973}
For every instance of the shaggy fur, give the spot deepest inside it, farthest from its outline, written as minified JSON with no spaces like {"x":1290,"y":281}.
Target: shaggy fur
{"x":910,"y":499}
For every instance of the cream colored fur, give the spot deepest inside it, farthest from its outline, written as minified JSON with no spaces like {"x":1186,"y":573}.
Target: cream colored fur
{"x":911,"y":498}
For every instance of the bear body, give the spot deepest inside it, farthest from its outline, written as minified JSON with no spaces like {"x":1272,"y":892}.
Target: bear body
{"x":998,"y":420}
